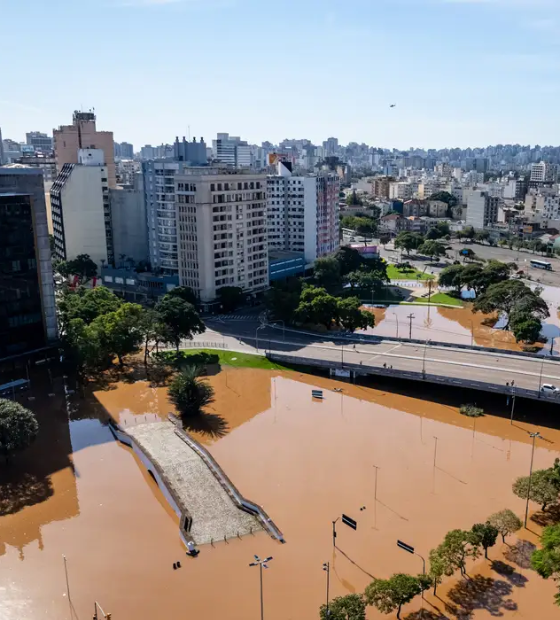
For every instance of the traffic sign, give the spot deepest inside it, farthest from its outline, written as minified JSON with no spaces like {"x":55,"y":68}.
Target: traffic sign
{"x":405,"y":546}
{"x":349,"y":522}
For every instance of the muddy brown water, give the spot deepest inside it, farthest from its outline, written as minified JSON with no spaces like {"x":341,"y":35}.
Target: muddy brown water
{"x":306,"y":462}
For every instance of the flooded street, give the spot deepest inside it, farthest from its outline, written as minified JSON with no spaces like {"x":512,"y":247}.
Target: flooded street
{"x":79,"y":493}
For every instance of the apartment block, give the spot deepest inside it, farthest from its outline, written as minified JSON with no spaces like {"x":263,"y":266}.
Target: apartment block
{"x":482,"y":209}
{"x":302,"y":212}
{"x":83,"y":134}
{"x":221,"y":226}
{"x":27,"y":303}
{"x":544,"y":173}
{"x":415,"y":208}
{"x":437,"y":208}
{"x":81,"y":211}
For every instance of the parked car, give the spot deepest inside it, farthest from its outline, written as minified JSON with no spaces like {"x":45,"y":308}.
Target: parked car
{"x":548,"y":388}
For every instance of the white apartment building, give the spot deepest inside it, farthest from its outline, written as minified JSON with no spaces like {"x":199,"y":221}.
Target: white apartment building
{"x":401,"y":190}
{"x":302,"y":213}
{"x":221,"y":230}
{"x":544,"y":173}
{"x":81,"y":211}
{"x":437,"y":208}
{"x":231,"y":151}
{"x":544,"y":205}
{"x":482,"y":209}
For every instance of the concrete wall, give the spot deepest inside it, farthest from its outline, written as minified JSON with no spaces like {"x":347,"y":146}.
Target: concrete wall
{"x":130,"y":230}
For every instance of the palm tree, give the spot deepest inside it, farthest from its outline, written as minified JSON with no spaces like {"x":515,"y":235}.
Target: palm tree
{"x":189,"y":393}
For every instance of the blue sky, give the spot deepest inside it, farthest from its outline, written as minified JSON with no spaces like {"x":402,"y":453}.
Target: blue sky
{"x":462,"y":72}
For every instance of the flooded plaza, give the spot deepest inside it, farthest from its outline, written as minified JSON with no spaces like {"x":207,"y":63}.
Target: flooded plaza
{"x":80,"y":493}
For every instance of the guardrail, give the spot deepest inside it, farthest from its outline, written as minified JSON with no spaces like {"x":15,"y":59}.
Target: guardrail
{"x":433,"y":343}
{"x":226,"y":483}
{"x":363,"y":369}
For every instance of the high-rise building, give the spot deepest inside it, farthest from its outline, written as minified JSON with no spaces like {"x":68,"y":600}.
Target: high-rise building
{"x":193,"y":152}
{"x":129,"y":225}
{"x":221,"y":216}
{"x":231,"y":151}
{"x":81,"y":211}
{"x":83,"y":134}
{"x":302,"y":212}
{"x":124,"y":150}
{"x":27,"y":303}
{"x":544,"y":173}
{"x":482,"y":209}
{"x":12,"y":151}
{"x":1,"y":149}
{"x":40,"y":142}
{"x":159,"y":195}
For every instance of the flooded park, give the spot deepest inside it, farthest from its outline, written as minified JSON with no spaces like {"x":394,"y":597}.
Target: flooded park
{"x":404,"y":464}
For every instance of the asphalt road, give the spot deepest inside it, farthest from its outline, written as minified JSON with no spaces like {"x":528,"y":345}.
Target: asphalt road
{"x":456,"y":364}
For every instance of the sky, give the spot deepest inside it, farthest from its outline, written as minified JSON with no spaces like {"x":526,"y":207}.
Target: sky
{"x":461,"y":72}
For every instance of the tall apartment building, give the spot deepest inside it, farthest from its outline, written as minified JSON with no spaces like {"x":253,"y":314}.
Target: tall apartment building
{"x":1,"y":149}
{"x":415,"y":208}
{"x":83,"y":134}
{"x":222,"y":241}
{"x":81,"y":211}
{"x":544,"y":173}
{"x":401,"y":190}
{"x":124,"y":150}
{"x":231,"y":151}
{"x":302,"y":212}
{"x":193,"y":152}
{"x":380,"y":187}
{"x":482,"y":209}
{"x":27,"y":303}
{"x":40,"y":142}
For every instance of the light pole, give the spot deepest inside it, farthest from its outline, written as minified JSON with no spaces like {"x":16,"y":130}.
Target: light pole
{"x":410,"y":317}
{"x":534,"y":436}
{"x":327,"y":569}
{"x":424,"y":359}
{"x":540,"y":378}
{"x":512,"y":406}
{"x":334,"y":531}
{"x":397,"y":317}
{"x":257,"y":335}
{"x":261,"y":564}
{"x":410,"y":549}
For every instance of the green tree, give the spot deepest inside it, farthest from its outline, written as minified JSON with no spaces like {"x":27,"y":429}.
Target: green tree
{"x":506,"y":522}
{"x":282,"y":300}
{"x":317,"y":307}
{"x":348,"y":260}
{"x":544,"y":487}
{"x":120,"y":330}
{"x":18,"y":428}
{"x":85,"y":345}
{"x":525,"y":327}
{"x":483,"y":535}
{"x":326,"y":273}
{"x":431,"y":248}
{"x":231,"y":297}
{"x":180,"y":317}
{"x":439,"y":566}
{"x":349,"y":607}
{"x":82,"y":266}
{"x":353,"y":200}
{"x":455,"y":549}
{"x":186,"y":293}
{"x":505,"y":296}
{"x":408,"y":241}
{"x":546,"y":561}
{"x":86,"y":304}
{"x":390,"y":594}
{"x":481,"y":236}
{"x":437,"y":232}
{"x":452,"y":276}
{"x":189,"y":393}
{"x":352,"y":317}
{"x":446,"y":197}
{"x":467,"y":233}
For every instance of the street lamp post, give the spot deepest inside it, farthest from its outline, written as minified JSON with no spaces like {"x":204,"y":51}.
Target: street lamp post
{"x":257,"y":335}
{"x":327,"y":569}
{"x":534,"y":436}
{"x":397,"y":317}
{"x":424,"y":359}
{"x":540,"y":378}
{"x":334,"y":532}
{"x":261,"y":564}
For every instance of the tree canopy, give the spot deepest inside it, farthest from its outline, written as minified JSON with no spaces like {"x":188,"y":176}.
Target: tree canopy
{"x":506,"y":522}
{"x":408,"y":241}
{"x":186,"y":293}
{"x":82,"y":266}
{"x":348,"y":260}
{"x":349,"y":607}
{"x":431,"y":248}
{"x":446,"y":197}
{"x":390,"y":594}
{"x":231,"y":297}
{"x":86,"y":304}
{"x":326,"y":273}
{"x":180,"y":317}
{"x":189,"y":393}
{"x":483,"y":535}
{"x":544,"y":487}
{"x":546,"y":561}
{"x":18,"y":427}
{"x":282,"y":299}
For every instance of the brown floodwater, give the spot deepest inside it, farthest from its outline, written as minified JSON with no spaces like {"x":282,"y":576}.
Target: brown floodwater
{"x":306,"y":462}
{"x":459,"y":325}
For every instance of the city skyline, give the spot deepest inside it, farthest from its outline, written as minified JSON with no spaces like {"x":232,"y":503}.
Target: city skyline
{"x":227,"y":65}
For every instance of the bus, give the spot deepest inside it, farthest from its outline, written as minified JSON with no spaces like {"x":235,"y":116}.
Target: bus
{"x":10,"y":388}
{"x":541,"y":264}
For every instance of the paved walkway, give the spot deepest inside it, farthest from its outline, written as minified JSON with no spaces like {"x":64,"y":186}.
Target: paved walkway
{"x":214,"y":514}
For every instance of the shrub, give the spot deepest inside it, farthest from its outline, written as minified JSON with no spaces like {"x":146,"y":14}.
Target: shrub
{"x":471,"y":411}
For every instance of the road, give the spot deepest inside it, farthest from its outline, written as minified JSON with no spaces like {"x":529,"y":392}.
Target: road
{"x":456,"y":364}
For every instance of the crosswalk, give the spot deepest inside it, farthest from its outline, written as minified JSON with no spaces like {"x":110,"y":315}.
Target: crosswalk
{"x":232,"y":317}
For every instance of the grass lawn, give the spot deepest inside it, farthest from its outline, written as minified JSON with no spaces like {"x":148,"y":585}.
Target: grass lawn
{"x":395,"y":273}
{"x":441,"y":298}
{"x":237,"y":360}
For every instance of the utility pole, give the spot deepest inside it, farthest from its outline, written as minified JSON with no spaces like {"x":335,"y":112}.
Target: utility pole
{"x":534,"y":437}
{"x":327,"y":569}
{"x":410,"y":317}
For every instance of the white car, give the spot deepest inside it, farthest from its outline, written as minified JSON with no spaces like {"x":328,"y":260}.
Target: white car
{"x":548,"y":388}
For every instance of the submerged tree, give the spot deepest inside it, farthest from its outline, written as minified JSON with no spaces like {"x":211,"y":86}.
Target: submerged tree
{"x":18,"y":427}
{"x":506,"y":522}
{"x":189,"y":393}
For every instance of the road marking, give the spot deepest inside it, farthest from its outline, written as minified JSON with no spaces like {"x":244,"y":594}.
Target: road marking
{"x":386,"y":353}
